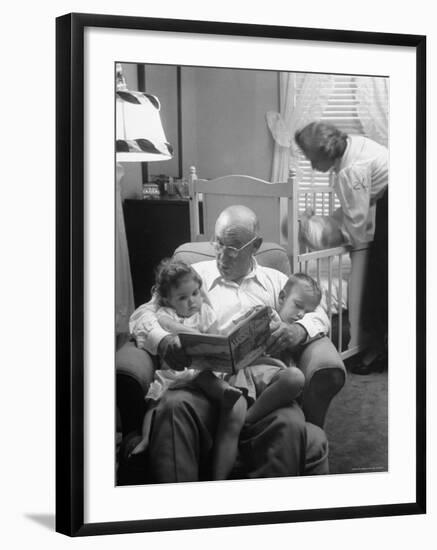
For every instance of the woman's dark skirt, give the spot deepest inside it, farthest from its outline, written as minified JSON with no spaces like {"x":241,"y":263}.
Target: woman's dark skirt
{"x":375,"y":303}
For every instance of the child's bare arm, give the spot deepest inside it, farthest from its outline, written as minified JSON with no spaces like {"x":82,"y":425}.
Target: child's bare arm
{"x":174,"y":326}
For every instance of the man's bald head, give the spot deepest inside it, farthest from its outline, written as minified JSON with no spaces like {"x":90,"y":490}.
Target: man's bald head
{"x":236,"y":229}
{"x":238,"y":218}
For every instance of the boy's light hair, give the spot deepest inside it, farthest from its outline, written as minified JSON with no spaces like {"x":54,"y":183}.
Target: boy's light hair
{"x":297,"y":278}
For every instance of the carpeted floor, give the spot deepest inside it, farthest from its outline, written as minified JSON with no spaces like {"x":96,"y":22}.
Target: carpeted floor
{"x":356,"y":425}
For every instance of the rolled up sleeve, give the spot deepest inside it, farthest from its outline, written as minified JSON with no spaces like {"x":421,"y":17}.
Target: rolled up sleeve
{"x":315,"y":323}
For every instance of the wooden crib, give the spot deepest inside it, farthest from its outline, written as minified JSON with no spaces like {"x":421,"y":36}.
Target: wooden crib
{"x":273,"y":203}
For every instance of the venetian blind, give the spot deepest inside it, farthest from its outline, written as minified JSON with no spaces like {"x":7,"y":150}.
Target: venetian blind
{"x":342,"y":111}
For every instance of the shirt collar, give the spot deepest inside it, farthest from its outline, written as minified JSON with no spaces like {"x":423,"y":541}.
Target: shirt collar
{"x":255,"y":273}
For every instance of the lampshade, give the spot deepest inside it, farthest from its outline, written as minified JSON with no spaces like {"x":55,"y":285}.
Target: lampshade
{"x":140,"y":136}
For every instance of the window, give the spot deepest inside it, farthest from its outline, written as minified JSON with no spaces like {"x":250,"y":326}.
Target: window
{"x":341,"y":111}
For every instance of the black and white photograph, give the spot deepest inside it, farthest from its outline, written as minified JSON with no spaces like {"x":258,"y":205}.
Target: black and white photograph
{"x":237,"y":189}
{"x":245,"y":331}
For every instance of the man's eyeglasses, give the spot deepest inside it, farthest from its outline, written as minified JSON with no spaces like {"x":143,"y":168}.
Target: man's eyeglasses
{"x":231,"y":250}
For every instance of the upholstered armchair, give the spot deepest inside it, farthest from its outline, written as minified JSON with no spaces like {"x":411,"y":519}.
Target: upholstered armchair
{"x":320,"y":362}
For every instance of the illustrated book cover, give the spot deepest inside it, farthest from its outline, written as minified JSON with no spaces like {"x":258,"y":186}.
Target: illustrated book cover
{"x":233,"y":352}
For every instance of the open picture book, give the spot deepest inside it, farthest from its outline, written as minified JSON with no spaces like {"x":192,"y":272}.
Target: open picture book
{"x":231,"y":353}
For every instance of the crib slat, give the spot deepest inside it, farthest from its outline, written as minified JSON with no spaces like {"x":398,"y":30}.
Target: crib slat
{"x":326,"y":253}
{"x":313,"y":263}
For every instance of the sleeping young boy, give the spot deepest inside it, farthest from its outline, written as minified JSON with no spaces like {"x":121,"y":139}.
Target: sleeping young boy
{"x":300,"y":295}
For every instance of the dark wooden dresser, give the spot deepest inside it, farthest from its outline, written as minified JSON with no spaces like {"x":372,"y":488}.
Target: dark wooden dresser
{"x":154,"y":228}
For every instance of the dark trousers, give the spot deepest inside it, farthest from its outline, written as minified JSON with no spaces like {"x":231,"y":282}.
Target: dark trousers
{"x":182,"y":438}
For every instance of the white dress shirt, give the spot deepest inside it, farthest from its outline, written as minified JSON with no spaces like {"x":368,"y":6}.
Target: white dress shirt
{"x":229,"y":301}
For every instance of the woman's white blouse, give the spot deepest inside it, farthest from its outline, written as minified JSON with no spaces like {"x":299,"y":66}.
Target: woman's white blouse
{"x":360,"y":179}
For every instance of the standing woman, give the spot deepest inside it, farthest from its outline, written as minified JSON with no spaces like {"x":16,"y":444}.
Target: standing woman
{"x":360,"y":166}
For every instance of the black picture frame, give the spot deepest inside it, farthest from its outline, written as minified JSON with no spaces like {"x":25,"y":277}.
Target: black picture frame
{"x":70,"y":489}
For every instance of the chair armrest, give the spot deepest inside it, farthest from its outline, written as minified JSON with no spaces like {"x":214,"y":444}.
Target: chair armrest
{"x":135,"y":369}
{"x":325,"y":375}
{"x":136,"y":363}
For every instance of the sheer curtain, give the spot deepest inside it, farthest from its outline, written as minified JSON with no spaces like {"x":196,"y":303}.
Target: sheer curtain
{"x":302,"y":99}
{"x":124,"y":299}
{"x":372,"y":97}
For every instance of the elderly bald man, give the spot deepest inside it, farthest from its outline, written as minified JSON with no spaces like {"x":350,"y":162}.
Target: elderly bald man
{"x":185,"y":420}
